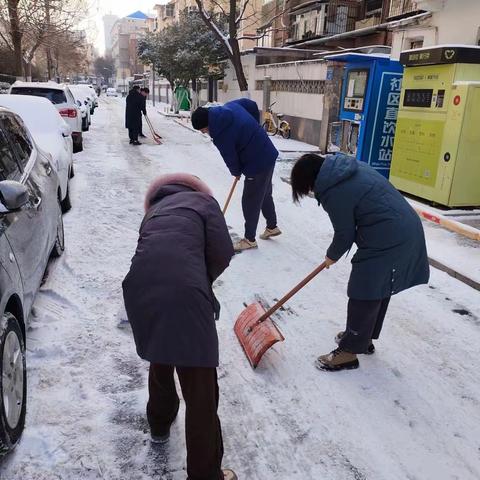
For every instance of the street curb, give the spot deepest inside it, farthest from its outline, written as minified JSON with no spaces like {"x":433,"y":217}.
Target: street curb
{"x":453,"y":273}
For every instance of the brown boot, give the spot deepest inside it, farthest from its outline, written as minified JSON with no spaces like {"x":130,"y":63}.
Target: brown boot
{"x":244,"y":244}
{"x":270,"y":232}
{"x":337,"y":360}
{"x":370,"y":350}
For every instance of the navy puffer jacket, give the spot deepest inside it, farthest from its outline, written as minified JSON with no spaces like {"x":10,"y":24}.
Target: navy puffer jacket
{"x":242,"y":142}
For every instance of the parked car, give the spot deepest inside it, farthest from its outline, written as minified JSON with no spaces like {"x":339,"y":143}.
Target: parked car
{"x":112,"y":92}
{"x":94,"y":94}
{"x":61,"y":96}
{"x":31,"y":230}
{"x":85,"y":103}
{"x":51,"y":134}
{"x":89,"y":95}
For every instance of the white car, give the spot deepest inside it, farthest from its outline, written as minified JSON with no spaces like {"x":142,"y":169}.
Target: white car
{"x":51,"y":134}
{"x":86,"y":103}
{"x":87,"y":91}
{"x":63,"y":100}
{"x":94,"y":93}
{"x":112,"y":92}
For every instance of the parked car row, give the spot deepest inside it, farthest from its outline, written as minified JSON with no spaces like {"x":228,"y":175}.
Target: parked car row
{"x":39,"y":128}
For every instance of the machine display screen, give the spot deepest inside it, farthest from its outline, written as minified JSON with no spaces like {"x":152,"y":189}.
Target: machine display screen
{"x":418,"y":98}
{"x":357,"y":83}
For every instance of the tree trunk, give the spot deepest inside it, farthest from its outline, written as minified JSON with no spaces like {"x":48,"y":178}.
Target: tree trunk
{"x":236,"y":60}
{"x":16,"y":35}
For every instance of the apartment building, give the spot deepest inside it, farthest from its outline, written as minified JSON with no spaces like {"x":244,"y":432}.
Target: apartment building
{"x":125,"y":34}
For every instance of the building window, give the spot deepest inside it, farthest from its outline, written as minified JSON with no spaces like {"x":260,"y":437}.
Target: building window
{"x":170,"y":10}
{"x":415,"y":43}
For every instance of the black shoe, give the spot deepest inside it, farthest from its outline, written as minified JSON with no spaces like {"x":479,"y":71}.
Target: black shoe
{"x":142,"y":135}
{"x":136,"y":142}
{"x":131,"y":141}
{"x":160,"y":439}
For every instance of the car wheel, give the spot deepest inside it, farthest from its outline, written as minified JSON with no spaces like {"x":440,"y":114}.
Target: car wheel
{"x":59,"y":246}
{"x":78,"y":146}
{"x":13,"y":383}
{"x":66,"y":202}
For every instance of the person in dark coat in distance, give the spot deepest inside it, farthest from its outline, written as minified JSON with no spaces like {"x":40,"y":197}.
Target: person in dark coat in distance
{"x":184,"y":246}
{"x":367,"y":210}
{"x":247,"y":150}
{"x":135,"y":106}
{"x":145,"y":92}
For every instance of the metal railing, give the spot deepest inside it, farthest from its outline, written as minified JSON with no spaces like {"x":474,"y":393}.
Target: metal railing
{"x":399,"y":8}
{"x":341,"y":16}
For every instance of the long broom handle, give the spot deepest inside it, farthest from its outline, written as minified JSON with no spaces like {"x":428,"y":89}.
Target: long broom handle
{"x":291,"y":293}
{"x":230,"y":195}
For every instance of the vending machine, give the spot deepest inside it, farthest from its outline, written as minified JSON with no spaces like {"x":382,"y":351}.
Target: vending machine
{"x":436,"y":154}
{"x":368,"y":108}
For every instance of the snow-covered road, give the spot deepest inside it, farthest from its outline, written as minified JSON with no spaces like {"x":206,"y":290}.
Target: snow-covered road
{"x":411,"y":412}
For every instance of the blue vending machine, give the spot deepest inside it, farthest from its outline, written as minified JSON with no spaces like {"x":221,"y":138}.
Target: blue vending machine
{"x":368,"y":108}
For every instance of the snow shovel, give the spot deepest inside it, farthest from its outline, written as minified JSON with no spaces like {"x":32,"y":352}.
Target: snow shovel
{"x":256,"y":331}
{"x":156,"y":137}
{"x":230,"y":195}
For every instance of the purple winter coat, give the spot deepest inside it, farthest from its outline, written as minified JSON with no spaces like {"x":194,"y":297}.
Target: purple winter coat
{"x":184,"y":246}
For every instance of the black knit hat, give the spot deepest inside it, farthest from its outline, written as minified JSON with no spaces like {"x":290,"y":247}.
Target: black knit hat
{"x":200,"y":118}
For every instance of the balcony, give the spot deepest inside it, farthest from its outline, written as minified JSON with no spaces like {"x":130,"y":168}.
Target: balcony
{"x":402,"y":8}
{"x":341,"y":16}
{"x":322,"y":18}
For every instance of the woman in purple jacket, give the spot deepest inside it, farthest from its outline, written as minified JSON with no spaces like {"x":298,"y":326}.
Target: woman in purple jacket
{"x":184,"y":246}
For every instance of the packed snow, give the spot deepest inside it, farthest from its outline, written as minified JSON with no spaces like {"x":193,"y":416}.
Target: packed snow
{"x":411,"y":411}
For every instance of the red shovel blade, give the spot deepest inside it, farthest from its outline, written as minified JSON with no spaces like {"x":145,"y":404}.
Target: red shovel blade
{"x":256,"y":338}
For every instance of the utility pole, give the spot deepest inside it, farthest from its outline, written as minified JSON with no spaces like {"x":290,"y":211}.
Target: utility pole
{"x":153,"y":84}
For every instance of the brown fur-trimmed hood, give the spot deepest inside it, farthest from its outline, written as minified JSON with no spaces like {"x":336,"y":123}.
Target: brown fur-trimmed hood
{"x":185,"y":179}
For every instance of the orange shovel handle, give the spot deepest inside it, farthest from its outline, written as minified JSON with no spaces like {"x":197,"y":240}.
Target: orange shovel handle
{"x":291,"y":293}
{"x":230,"y":195}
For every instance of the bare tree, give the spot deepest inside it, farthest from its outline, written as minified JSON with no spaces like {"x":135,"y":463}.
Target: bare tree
{"x":231,"y":21}
{"x":31,"y":24}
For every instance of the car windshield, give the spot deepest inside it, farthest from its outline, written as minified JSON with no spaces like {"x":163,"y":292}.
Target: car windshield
{"x":55,"y":96}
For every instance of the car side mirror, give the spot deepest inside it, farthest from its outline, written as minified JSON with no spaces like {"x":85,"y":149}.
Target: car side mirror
{"x":65,"y":130}
{"x":13,"y":196}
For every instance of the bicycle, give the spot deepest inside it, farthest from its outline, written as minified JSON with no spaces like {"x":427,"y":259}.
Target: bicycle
{"x":270,"y":124}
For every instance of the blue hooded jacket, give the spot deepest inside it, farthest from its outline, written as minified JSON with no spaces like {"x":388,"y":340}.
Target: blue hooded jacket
{"x":242,"y":142}
{"x":366,"y":209}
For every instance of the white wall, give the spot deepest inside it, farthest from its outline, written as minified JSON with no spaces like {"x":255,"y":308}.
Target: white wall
{"x":304,"y":105}
{"x":455,"y":22}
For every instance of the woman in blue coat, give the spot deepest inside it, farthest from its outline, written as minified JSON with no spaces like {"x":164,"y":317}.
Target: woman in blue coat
{"x":367,"y":210}
{"x":246,"y":149}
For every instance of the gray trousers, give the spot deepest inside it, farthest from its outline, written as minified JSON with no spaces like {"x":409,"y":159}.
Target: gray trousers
{"x":364,"y":323}
{"x":257,"y":197}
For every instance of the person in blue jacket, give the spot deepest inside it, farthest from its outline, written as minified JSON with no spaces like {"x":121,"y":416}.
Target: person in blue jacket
{"x":367,"y":210}
{"x":247,"y":150}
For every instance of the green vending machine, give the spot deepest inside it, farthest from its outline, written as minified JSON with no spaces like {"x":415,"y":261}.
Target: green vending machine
{"x":436,"y":154}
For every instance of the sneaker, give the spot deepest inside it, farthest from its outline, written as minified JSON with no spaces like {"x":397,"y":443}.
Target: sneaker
{"x":244,"y":244}
{"x":229,"y":474}
{"x":337,"y":360}
{"x":370,"y":349}
{"x":270,"y":232}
